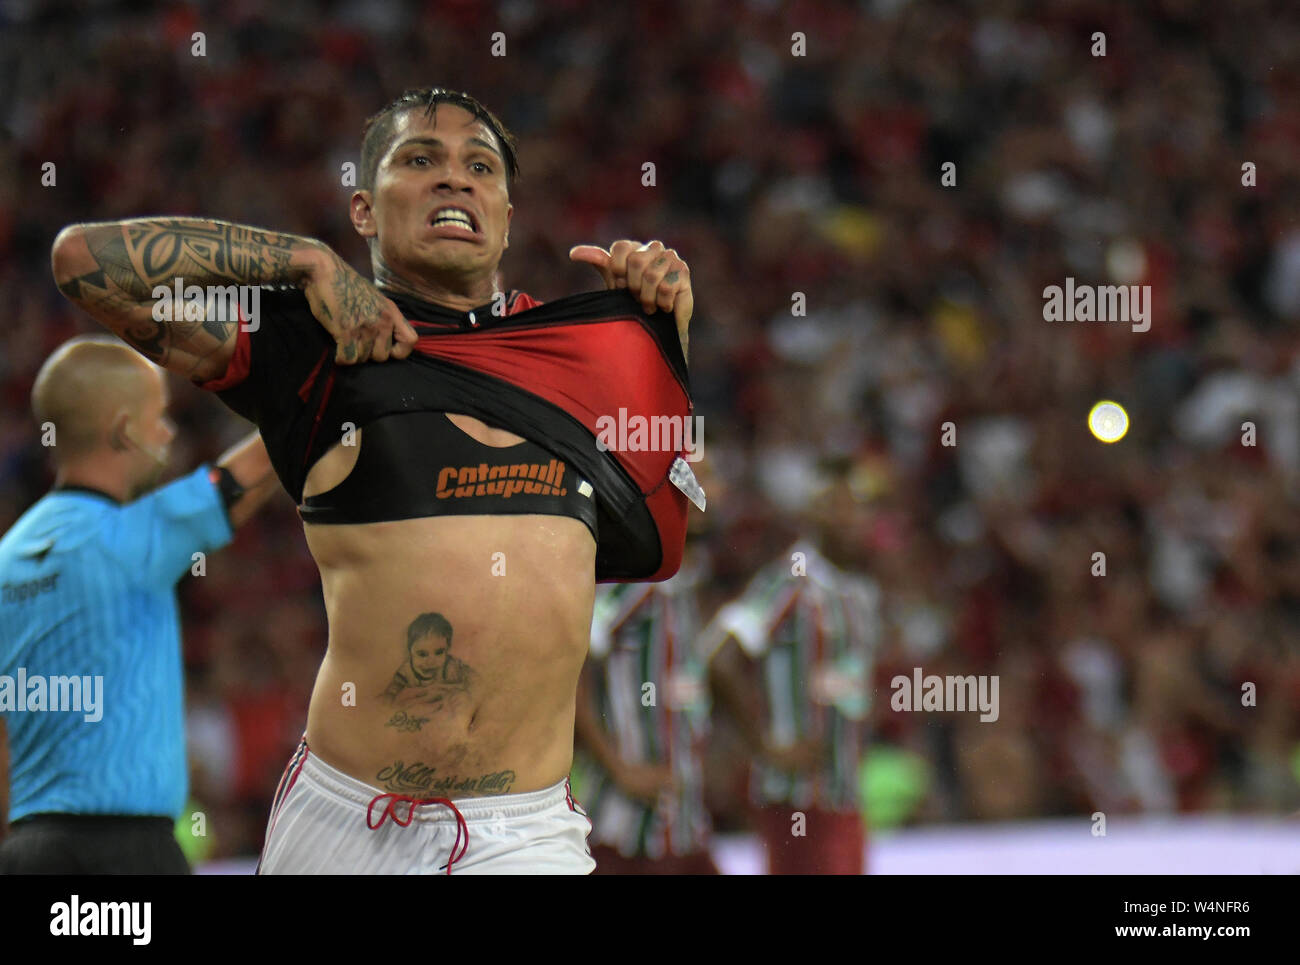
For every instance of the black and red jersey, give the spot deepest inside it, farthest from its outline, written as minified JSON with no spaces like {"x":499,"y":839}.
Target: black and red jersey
{"x":547,"y":372}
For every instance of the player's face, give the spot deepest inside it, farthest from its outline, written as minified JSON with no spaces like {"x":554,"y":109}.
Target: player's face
{"x":437,"y":170}
{"x":428,"y":656}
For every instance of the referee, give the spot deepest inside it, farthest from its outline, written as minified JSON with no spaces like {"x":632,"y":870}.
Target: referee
{"x":92,"y":742}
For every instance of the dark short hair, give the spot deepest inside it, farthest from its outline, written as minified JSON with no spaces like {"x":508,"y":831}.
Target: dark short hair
{"x":378,"y":130}
{"x":428,"y":625}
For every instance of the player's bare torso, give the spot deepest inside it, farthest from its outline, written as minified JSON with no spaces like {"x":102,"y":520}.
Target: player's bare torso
{"x":455,"y":644}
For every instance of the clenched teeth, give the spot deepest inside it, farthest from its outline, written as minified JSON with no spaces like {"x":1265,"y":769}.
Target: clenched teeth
{"x":454,"y":216}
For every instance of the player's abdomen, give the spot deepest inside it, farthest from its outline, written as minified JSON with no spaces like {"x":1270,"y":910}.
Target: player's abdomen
{"x":454,"y":653}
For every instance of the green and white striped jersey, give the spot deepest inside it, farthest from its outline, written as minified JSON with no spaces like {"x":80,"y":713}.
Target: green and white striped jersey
{"x":815,"y":631}
{"x":652,"y":693}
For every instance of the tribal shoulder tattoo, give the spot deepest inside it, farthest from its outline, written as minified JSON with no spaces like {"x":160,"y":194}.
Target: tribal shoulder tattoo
{"x":135,"y":257}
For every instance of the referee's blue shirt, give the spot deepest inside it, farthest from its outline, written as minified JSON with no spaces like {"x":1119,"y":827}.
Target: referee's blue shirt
{"x":88,"y":589}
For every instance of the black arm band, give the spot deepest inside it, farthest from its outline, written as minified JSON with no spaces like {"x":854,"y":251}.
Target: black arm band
{"x":231,"y":491}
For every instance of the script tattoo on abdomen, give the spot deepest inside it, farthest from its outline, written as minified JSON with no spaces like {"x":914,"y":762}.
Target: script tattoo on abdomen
{"x":431,"y":679}
{"x":404,"y":721}
{"x":405,"y":778}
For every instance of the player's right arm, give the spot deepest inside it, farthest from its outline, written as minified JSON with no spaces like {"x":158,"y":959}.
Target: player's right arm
{"x":112,"y":270}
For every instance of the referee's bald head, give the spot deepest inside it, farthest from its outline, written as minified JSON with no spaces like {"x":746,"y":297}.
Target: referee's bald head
{"x":85,"y":387}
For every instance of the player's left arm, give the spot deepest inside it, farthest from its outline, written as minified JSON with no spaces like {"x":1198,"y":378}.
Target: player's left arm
{"x":657,"y":276}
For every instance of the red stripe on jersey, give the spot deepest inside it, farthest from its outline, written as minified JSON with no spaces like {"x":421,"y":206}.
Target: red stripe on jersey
{"x":237,"y":367}
{"x":320,"y":411}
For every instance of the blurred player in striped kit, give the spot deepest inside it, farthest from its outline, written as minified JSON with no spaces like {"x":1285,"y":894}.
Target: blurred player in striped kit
{"x":647,"y":810}
{"x":808,"y":631}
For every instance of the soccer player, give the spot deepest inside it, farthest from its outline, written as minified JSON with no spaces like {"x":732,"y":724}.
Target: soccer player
{"x":417,"y":517}
{"x":90,"y":655}
{"x":810,"y":630}
{"x":647,"y":806}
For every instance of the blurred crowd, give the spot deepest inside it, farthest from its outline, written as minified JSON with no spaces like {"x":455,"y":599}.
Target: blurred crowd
{"x":849,"y":305}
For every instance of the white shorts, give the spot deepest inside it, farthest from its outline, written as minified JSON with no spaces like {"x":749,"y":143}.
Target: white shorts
{"x":325,"y":822}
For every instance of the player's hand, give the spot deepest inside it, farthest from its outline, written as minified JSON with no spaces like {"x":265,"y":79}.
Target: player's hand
{"x":365,"y":323}
{"x":645,"y":782}
{"x":656,"y":275}
{"x":799,"y":758}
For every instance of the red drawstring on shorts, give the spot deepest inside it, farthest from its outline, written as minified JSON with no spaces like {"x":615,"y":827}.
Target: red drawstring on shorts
{"x":390,"y":812}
